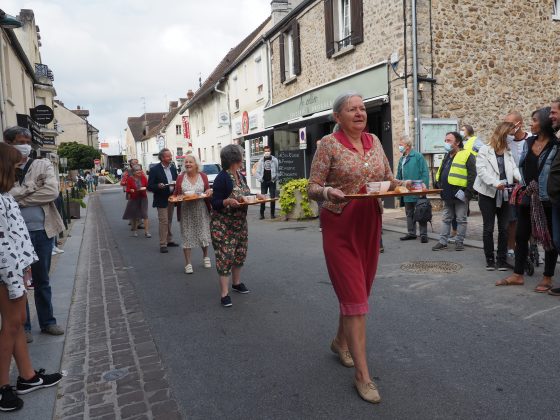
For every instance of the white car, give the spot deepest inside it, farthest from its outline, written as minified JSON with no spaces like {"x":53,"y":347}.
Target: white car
{"x":211,"y":169}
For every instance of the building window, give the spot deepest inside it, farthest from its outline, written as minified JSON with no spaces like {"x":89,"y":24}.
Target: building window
{"x":259,"y":77}
{"x":178,"y":129}
{"x":290,"y":60}
{"x":179,"y":151}
{"x":199,"y":157}
{"x":245,"y":76}
{"x":343,"y":24}
{"x":205,"y":154}
{"x":237,"y":104}
{"x":556,"y":11}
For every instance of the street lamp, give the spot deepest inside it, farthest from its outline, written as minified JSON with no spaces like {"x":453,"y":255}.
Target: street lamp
{"x":8,"y":21}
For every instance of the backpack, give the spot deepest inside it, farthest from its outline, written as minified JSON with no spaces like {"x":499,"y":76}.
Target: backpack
{"x":423,"y":211}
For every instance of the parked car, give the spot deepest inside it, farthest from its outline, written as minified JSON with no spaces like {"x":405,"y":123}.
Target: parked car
{"x":211,"y":169}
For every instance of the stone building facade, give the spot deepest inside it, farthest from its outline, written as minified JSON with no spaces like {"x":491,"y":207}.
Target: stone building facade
{"x":73,"y":125}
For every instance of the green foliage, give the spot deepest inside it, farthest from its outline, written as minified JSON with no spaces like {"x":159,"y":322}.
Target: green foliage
{"x":80,"y":201}
{"x":79,"y":155}
{"x":111,"y":178}
{"x":288,"y":198}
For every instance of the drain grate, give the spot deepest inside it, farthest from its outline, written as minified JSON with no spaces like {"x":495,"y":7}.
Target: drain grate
{"x":115,"y":374}
{"x":431,"y":267}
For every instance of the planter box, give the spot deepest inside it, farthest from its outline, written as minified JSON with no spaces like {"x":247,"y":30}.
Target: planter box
{"x":297,"y":212}
{"x":74,"y":209}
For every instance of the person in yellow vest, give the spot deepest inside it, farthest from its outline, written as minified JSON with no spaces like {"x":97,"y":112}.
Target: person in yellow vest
{"x":455,"y":177}
{"x":472,"y":142}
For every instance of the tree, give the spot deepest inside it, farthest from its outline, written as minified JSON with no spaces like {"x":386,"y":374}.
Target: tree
{"x":79,"y":155}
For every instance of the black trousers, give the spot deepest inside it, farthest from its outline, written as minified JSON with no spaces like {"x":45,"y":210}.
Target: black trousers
{"x":270,"y":188}
{"x":490,"y":212}
{"x":522,"y":235}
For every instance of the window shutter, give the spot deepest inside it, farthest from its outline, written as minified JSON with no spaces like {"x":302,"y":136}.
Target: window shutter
{"x":357,"y":21}
{"x":329,"y":28}
{"x":297,"y":55}
{"x":282,"y":60}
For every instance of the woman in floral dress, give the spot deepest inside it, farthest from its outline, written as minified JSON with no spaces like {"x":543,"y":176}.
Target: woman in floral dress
{"x":194,"y":216}
{"x":344,"y":162}
{"x":228,"y":227}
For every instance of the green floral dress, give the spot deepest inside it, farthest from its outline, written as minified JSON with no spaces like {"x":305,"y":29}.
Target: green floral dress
{"x":228,"y":228}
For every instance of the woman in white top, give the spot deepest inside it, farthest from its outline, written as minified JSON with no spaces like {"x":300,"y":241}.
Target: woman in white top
{"x":495,"y":170}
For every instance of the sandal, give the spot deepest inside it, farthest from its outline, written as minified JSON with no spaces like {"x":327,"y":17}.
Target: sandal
{"x":509,"y":281}
{"x":542,"y":288}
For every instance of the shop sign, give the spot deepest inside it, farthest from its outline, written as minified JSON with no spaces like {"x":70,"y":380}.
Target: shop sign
{"x":42,"y":114}
{"x":186,"y":127}
{"x":245,"y":123}
{"x":238,"y":127}
{"x":96,"y":161}
{"x":26,"y":121}
{"x":371,"y":82}
{"x":253,"y":121}
{"x":103,"y":145}
{"x":290,"y":165}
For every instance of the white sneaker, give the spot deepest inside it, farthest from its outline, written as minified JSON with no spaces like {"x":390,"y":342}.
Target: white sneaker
{"x":188,"y":269}
{"x":57,"y":250}
{"x":452,"y":239}
{"x":206,"y":262}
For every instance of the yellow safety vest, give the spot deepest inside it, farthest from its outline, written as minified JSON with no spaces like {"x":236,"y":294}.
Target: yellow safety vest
{"x":469,"y":145}
{"x":458,"y":171}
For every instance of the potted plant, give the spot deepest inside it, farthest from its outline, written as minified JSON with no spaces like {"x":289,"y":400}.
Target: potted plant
{"x":294,"y":201}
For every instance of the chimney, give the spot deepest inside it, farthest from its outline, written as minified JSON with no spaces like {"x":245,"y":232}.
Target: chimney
{"x":173,"y":105}
{"x":190,"y":94}
{"x":78,"y":107}
{"x":279,"y":9}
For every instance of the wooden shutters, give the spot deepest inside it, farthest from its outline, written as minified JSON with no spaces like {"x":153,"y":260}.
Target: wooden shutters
{"x":357,"y":21}
{"x":329,"y":28}
{"x":296,"y":47}
{"x":290,"y":35}
{"x":282,"y":60}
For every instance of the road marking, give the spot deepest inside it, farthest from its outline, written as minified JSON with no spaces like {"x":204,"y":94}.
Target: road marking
{"x":542,"y":312}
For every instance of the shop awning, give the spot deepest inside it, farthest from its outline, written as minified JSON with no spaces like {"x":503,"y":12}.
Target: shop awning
{"x":266,"y":132}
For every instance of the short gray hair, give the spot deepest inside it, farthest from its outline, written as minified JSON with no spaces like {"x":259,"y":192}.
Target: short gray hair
{"x":11,"y":133}
{"x":406,"y":140}
{"x":231,"y":153}
{"x":136,"y":168}
{"x":343,"y":98}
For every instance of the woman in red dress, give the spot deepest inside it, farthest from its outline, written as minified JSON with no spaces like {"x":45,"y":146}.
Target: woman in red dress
{"x":344,"y":162}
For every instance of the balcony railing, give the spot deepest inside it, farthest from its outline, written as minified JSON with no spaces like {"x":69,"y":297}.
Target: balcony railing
{"x":42,"y":70}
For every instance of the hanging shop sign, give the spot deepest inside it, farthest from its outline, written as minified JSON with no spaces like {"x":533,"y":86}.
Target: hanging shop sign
{"x":42,"y":114}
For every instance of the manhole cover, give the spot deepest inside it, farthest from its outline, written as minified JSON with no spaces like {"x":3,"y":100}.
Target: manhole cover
{"x":431,"y":267}
{"x":115,"y":374}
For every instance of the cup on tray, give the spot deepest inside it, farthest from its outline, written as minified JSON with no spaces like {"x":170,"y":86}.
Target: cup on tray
{"x":416,"y":185}
{"x":250,"y":198}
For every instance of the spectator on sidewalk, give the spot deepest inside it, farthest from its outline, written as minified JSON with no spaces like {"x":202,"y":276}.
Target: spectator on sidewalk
{"x":535,"y":208}
{"x":17,"y":256}
{"x":516,"y":142}
{"x":194,"y":216}
{"x":412,"y":165}
{"x":342,"y":164}
{"x":553,"y":186}
{"x":89,"y":181}
{"x":35,"y":192}
{"x":267,"y":175}
{"x":137,"y":204}
{"x":119,"y":173}
{"x":161,"y":181}
{"x":495,"y":170}
{"x":228,"y":226}
{"x":455,"y":177}
{"x":471,"y":142}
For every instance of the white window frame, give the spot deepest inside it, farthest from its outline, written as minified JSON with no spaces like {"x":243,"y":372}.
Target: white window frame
{"x":178,"y":129}
{"x":342,"y":24}
{"x":556,"y":10}
{"x":289,"y":54}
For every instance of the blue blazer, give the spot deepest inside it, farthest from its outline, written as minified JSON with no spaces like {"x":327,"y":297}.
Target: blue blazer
{"x":157,"y":176}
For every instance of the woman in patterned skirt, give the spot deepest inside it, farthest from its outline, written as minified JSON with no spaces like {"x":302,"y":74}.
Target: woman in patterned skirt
{"x":228,"y":227}
{"x":344,"y":162}
{"x":16,"y":256}
{"x":194,"y":216}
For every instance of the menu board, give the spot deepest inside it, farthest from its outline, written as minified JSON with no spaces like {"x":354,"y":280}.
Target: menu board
{"x":290,"y":165}
{"x":432,"y":134}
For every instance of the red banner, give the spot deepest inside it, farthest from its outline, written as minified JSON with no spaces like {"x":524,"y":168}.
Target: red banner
{"x":186,"y":127}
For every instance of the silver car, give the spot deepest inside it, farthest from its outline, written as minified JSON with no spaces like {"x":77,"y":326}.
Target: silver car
{"x":211,"y":170}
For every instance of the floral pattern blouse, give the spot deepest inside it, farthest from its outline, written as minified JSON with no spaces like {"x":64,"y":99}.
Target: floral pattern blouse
{"x":16,"y":249}
{"x":337,"y":164}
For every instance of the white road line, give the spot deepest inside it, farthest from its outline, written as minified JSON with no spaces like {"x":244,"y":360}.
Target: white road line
{"x":542,"y":312}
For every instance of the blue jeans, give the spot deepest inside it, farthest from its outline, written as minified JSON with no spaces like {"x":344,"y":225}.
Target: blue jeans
{"x":556,"y":226}
{"x":40,"y":272}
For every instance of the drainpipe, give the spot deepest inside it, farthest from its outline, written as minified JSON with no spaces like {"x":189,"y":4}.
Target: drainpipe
{"x":2,"y":78}
{"x":415,"y":78}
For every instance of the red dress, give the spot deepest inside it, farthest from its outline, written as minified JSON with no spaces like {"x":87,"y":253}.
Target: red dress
{"x":352,"y":231}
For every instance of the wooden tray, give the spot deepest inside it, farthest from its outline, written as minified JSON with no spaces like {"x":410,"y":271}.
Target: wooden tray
{"x":390,"y":194}
{"x":268,"y":200}
{"x":173,"y":198}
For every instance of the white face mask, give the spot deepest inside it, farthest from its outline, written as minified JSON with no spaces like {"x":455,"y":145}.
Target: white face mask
{"x":24,"y":149}
{"x":401,"y":149}
{"x":266,"y":154}
{"x":447,"y":147}
{"x":462,"y":133}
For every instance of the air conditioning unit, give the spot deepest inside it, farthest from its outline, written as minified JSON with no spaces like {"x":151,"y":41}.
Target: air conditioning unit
{"x":223,"y":118}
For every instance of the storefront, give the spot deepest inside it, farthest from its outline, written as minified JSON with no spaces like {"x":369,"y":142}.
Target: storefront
{"x":311,"y":112}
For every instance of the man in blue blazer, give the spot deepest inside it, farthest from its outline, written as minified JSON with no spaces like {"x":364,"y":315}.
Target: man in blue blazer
{"x":161,"y":181}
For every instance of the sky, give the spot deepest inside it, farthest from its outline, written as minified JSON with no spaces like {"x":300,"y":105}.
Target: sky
{"x":117,"y":58}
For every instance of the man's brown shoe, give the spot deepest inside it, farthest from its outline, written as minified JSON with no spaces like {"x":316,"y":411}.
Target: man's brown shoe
{"x":368,"y":392}
{"x":344,"y":355}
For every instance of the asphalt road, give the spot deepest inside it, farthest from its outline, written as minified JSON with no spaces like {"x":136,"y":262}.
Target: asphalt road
{"x":440,"y":346}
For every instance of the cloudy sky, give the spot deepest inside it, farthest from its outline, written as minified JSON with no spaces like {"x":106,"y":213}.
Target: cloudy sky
{"x":106,"y":55}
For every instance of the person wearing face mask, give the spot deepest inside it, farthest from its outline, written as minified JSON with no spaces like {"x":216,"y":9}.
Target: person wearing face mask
{"x":471,"y":142}
{"x":412,"y":165}
{"x":267,"y":175}
{"x":35,"y":191}
{"x":455,"y":177}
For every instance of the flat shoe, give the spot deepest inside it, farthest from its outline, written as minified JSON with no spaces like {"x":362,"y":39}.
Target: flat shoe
{"x":542,"y":288}
{"x":507,"y":282}
{"x":188,"y":269}
{"x":554,"y":291}
{"x":344,"y":355}
{"x":368,"y":392}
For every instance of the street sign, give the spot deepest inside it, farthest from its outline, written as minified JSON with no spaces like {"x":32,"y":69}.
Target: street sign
{"x":42,"y":114}
{"x":302,"y":138}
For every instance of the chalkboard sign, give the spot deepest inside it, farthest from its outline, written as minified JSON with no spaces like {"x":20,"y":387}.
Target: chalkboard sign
{"x":290,"y":165}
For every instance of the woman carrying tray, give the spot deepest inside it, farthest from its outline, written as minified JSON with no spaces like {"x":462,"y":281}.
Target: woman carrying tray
{"x":137,"y":205}
{"x":344,"y":162}
{"x":194,"y":215}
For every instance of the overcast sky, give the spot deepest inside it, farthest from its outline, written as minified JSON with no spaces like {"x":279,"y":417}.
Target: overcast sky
{"x":106,"y":55}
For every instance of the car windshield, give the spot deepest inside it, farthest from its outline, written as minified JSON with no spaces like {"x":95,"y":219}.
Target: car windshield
{"x":211,"y":169}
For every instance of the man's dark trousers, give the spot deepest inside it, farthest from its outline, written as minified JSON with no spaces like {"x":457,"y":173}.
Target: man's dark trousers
{"x":270,"y":188}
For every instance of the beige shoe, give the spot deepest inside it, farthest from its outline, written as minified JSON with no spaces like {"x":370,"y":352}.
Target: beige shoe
{"x":206,"y":262}
{"x":368,"y":392}
{"x":344,"y":355}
